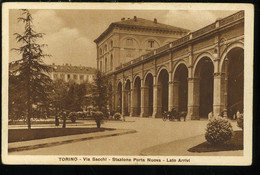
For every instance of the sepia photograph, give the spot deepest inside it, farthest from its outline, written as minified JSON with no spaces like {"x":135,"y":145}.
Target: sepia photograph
{"x":127,"y":83}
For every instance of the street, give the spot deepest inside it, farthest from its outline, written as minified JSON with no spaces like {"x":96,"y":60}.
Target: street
{"x":150,"y":132}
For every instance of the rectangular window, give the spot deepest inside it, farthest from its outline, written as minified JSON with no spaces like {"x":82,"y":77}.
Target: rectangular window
{"x":68,"y":76}
{"x":81,"y":77}
{"x":100,"y":68}
{"x":129,"y":42}
{"x":75,"y":77}
{"x":62,"y":76}
{"x":150,"y":44}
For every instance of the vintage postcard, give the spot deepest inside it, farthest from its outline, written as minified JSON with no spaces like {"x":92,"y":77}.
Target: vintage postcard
{"x":127,"y":83}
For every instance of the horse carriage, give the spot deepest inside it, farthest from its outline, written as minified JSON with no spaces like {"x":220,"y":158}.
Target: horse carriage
{"x":174,"y":114}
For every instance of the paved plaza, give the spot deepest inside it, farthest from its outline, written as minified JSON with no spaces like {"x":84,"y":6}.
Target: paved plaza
{"x":151,"y":134}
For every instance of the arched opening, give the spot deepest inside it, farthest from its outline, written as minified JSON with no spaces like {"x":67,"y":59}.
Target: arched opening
{"x":148,"y":95}
{"x":204,"y":72}
{"x":180,"y":88}
{"x":163,"y":81}
{"x":127,"y":98}
{"x":137,"y":97}
{"x":233,"y":81}
{"x":119,"y":98}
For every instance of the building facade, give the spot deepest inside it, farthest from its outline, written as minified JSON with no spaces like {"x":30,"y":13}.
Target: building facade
{"x":129,"y":38}
{"x":78,"y":74}
{"x":201,"y":72}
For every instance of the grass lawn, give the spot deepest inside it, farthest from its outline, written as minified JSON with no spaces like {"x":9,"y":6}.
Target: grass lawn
{"x":236,"y":143}
{"x":17,"y":135}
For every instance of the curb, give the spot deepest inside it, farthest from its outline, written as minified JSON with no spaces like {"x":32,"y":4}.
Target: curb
{"x":43,"y":145}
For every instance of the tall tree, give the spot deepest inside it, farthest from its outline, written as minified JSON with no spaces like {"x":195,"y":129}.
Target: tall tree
{"x":100,"y":91}
{"x":32,"y":73}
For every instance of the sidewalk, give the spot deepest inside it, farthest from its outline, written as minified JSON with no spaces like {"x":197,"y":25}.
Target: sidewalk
{"x":180,"y":148}
{"x":42,"y":143}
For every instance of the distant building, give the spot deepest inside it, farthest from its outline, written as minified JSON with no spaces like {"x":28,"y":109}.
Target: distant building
{"x":79,"y":74}
{"x":66,"y":72}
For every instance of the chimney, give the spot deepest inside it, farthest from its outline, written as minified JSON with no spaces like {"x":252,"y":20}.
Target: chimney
{"x":122,"y":19}
{"x":155,"y":20}
{"x":135,"y":18}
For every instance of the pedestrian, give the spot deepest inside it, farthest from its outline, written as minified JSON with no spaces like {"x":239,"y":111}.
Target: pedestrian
{"x":64,"y":116}
{"x":210,"y":115}
{"x":237,"y":114}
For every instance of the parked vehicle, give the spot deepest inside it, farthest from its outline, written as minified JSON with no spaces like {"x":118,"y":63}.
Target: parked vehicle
{"x":174,"y":114}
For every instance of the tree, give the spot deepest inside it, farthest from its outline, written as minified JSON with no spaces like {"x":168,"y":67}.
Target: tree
{"x":100,"y":92}
{"x":32,"y":74}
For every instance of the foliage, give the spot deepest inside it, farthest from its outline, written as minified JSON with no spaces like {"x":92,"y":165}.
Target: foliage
{"x":100,"y":91}
{"x":117,"y":116}
{"x":73,"y":117}
{"x":240,"y":121}
{"x":219,"y":130}
{"x":32,"y":84}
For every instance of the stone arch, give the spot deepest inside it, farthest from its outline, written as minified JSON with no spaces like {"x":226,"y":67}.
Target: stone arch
{"x":136,"y":76}
{"x":148,"y":72}
{"x":157,"y":42}
{"x":232,"y":79}
{"x":148,"y":94}
{"x":199,"y":57}
{"x":159,"y":70}
{"x":176,"y":66}
{"x":136,"y":108}
{"x":203,"y":85}
{"x":180,"y":86}
{"x":122,"y":40}
{"x":162,"y":91}
{"x":226,"y":51}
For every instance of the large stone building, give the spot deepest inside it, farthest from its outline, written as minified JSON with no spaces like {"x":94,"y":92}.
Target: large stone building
{"x":152,"y":70}
{"x":78,"y":74}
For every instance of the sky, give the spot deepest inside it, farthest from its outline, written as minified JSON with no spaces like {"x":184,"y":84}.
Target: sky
{"x":70,"y":34}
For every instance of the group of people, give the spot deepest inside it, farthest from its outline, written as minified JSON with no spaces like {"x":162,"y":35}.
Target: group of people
{"x":234,"y":117}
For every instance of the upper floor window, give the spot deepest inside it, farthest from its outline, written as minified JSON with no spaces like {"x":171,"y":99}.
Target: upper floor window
{"x":55,"y":76}
{"x":62,"y":76}
{"x":75,"y":77}
{"x":111,"y":43}
{"x":151,"y":44}
{"x":68,"y":76}
{"x":100,"y":51}
{"x":105,"y":48}
{"x":81,"y":77}
{"x":111,"y":62}
{"x":129,"y":42}
{"x":105,"y":64}
{"x":100,"y":66}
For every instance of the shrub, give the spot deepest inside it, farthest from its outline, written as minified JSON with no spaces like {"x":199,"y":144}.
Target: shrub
{"x":219,"y":130}
{"x":73,"y":117}
{"x":117,"y":116}
{"x":240,"y":121}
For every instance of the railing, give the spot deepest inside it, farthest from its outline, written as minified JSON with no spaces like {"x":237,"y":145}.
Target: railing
{"x":181,"y":40}
{"x":232,"y":18}
{"x":203,"y":30}
{"x":148,"y":55}
{"x":137,"y":59}
{"x":127,"y":64}
{"x":186,"y":38}
{"x":163,"y":48}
